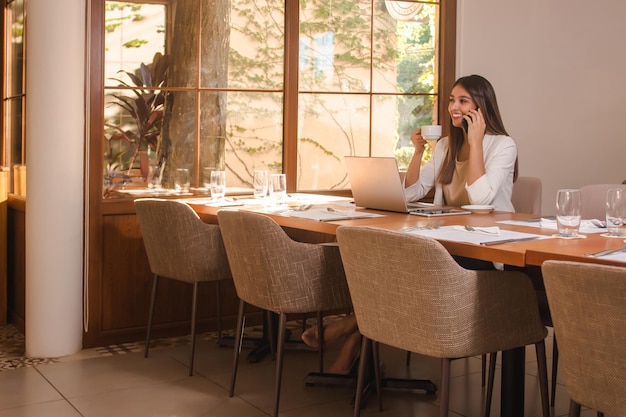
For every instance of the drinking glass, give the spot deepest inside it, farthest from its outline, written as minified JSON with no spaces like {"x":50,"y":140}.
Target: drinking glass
{"x":259,"y":182}
{"x":206,"y":176}
{"x":278,"y":187}
{"x":218,"y":184}
{"x":181,"y":180}
{"x":568,"y":212}
{"x":154,"y":178}
{"x":616,"y":212}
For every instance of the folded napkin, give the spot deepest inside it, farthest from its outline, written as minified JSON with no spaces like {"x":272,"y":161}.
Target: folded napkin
{"x":485,"y":230}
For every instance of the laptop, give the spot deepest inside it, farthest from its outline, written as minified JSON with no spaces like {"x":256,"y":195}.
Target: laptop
{"x":376,"y":185}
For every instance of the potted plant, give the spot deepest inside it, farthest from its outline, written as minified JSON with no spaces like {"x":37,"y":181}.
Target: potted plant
{"x":144,"y":107}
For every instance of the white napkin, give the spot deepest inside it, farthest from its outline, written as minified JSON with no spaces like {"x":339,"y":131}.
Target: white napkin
{"x":485,"y":230}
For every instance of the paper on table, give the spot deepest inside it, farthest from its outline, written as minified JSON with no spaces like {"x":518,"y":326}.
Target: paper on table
{"x":324,"y":215}
{"x":616,"y":256}
{"x":486,"y":230}
{"x":453,"y":234}
{"x":586,"y":226}
{"x":220,"y":202}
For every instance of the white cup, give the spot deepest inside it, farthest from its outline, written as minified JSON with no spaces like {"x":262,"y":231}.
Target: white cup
{"x":218,"y":184}
{"x":181,"y":180}
{"x":616,"y":212}
{"x":568,"y":205}
{"x":278,"y":187}
{"x":259,"y":183}
{"x":431,"y":132}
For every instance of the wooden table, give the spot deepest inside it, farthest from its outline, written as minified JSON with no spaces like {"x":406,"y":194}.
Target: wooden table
{"x":518,"y":254}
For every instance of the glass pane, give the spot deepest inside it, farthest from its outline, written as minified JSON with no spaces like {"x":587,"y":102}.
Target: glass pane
{"x":178,"y":148}
{"x":335,"y":45}
{"x":254,"y":135}
{"x":331,"y":126}
{"x":404,"y":47}
{"x":134,"y":33}
{"x":15,"y":47}
{"x":14,"y":130}
{"x":252,"y":35}
{"x":407,"y":113}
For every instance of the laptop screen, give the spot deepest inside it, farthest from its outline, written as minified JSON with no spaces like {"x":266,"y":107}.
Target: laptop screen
{"x":376,"y":183}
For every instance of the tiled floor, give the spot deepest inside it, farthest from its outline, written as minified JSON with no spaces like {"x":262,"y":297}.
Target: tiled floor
{"x":118,"y":381}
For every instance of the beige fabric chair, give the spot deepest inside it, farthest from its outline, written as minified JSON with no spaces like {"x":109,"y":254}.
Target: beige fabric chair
{"x":588,"y":305}
{"x":408,"y":292}
{"x":593,"y":197}
{"x":275,"y":273}
{"x":526,"y":197}
{"x":182,"y":247}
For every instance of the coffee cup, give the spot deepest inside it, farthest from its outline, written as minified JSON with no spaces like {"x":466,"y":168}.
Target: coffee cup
{"x":431,"y":132}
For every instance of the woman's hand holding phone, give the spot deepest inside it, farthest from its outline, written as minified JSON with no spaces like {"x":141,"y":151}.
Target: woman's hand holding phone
{"x":474,"y":124}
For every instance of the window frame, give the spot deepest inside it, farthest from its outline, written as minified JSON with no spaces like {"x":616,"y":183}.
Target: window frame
{"x":95,"y":86}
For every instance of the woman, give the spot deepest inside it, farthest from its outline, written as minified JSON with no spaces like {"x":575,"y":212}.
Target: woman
{"x":474,"y":165}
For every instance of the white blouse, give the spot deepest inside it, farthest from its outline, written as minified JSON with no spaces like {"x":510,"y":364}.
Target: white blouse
{"x":493,"y":188}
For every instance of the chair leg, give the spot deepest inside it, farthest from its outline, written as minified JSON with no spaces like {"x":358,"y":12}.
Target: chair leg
{"x":282,"y":324}
{"x":377,"y":375}
{"x":408,"y":358}
{"x":483,"y":360}
{"x":218,"y":312}
{"x":155,"y":283}
{"x":320,"y":340}
{"x":193,"y":327}
{"x":237,"y":347}
{"x":542,"y":366}
{"x":574,"y":409}
{"x":599,"y":414}
{"x":444,"y":392}
{"x":271,"y":333}
{"x":555,"y":367}
{"x":493,"y":357}
{"x":360,"y":382}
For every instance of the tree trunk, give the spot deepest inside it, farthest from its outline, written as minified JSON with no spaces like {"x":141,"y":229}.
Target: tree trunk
{"x":188,"y":111}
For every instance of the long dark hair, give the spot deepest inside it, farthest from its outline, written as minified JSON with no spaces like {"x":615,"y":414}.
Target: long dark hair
{"x":483,"y":94}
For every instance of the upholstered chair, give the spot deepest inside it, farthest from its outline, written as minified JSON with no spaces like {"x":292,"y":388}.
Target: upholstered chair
{"x":408,"y":292}
{"x":180,"y":246}
{"x":588,"y":305}
{"x":275,"y":273}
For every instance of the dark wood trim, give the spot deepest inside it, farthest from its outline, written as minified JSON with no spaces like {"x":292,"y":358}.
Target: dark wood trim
{"x":447,"y":60}
{"x":290,"y":110}
{"x":94,"y":168}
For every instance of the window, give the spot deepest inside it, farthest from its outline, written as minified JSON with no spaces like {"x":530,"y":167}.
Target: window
{"x":13,"y":98}
{"x":285,"y":86}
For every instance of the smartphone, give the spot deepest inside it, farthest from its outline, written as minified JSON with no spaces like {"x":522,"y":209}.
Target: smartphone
{"x":465,"y":123}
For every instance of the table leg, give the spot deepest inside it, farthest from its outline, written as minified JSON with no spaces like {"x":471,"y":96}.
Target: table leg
{"x":513,"y":369}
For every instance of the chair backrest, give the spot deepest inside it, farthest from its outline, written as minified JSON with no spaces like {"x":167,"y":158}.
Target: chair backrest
{"x":407,"y":291}
{"x":274,"y":272}
{"x":588,"y":305}
{"x":526,"y":196}
{"x":593,"y":197}
{"x":179,"y":244}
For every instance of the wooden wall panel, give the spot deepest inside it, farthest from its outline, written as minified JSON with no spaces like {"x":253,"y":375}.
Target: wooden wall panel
{"x":16,"y":263}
